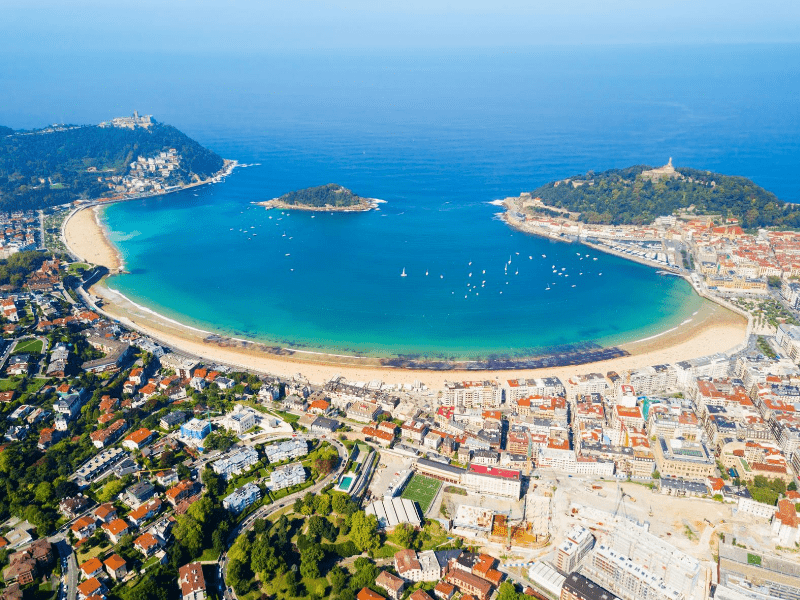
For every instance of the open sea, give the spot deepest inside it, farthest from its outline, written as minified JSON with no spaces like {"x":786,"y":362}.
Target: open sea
{"x":438,"y":135}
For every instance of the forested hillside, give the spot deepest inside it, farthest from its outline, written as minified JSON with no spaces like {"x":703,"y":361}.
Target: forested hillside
{"x":322,"y":195}
{"x":623,"y":196}
{"x":43,"y":168}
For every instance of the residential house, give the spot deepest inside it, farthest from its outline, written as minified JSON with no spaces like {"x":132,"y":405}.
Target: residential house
{"x":393,"y":584}
{"x":138,"y":439}
{"x":105,"y":513}
{"x":91,"y":568}
{"x":147,"y":544}
{"x":116,"y":529}
{"x":116,"y":566}
{"x":241,"y":498}
{"x":192,"y":582}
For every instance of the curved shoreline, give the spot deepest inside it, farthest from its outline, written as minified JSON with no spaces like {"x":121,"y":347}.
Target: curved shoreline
{"x":712,"y":329}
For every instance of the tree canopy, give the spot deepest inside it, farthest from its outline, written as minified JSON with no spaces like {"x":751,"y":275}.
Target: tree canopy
{"x":45,"y":167}
{"x":331,"y":194}
{"x":623,"y":196}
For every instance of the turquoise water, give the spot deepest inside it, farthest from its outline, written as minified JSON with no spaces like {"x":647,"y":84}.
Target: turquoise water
{"x":437,"y":135}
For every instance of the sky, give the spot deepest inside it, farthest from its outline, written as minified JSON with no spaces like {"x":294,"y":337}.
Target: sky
{"x":271,"y":25}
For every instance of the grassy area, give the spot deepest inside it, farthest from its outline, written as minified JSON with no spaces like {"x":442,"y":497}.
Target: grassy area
{"x":85,"y":553}
{"x":209,"y":554}
{"x":13,"y":383}
{"x":78,"y":268}
{"x":387,"y":550}
{"x":31,"y":345}
{"x":422,"y":490}
{"x":288,"y":417}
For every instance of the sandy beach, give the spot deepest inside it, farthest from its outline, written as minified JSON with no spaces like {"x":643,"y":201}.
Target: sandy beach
{"x":712,"y":329}
{"x":86,"y":238}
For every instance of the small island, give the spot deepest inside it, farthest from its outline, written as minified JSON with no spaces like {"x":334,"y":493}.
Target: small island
{"x":331,"y":198}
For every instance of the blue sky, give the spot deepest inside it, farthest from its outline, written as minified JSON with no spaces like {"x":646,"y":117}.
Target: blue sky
{"x":258,"y":25}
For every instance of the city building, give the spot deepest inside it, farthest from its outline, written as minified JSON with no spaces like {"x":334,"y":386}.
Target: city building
{"x":571,"y":552}
{"x":287,"y":450}
{"x":236,"y":462}
{"x":196,"y":429}
{"x":681,"y":458}
{"x":241,"y":498}
{"x":578,"y":587}
{"x":286,"y":476}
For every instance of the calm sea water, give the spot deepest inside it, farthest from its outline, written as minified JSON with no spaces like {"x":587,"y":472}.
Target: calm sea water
{"x":438,"y":136}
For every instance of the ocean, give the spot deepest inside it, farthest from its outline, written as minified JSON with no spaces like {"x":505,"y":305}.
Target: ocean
{"x":438,"y":135}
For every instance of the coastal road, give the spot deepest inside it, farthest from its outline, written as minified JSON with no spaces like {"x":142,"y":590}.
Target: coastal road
{"x":266,"y":511}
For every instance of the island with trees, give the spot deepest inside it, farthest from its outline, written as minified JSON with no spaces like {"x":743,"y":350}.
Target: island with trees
{"x":637,"y":195}
{"x":331,"y":197}
{"x":129,"y":156}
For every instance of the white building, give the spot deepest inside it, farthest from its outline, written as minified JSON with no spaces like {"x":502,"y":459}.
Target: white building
{"x":235,"y":463}
{"x":240,"y":420}
{"x":283,"y":477}
{"x":286,"y":450}
{"x":571,"y":552}
{"x":472,"y":394}
{"x":493,"y":481}
{"x":242,"y":497}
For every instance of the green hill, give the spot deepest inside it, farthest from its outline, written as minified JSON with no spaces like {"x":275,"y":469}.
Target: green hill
{"x":54,"y":166}
{"x":322,"y":195}
{"x":625,"y":196}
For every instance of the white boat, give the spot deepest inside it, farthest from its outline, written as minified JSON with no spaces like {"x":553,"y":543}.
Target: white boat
{"x":287,"y":254}
{"x":599,"y":274}
{"x":595,"y":258}
{"x":547,"y":288}
{"x":426,"y":272}
{"x":544,"y":255}
{"x":403,"y":274}
{"x":530,"y":258}
{"x":517,"y":273}
{"x":470,"y":274}
{"x":441,"y":276}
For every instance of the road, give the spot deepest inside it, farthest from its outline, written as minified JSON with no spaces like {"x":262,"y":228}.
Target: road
{"x":265,"y":511}
{"x":69,"y":565}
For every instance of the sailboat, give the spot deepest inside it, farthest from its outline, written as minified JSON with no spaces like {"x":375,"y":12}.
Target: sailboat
{"x":403,"y":274}
{"x":426,"y":272}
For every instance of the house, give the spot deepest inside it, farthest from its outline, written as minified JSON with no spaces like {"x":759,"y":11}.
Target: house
{"x":444,"y":590}
{"x":467,"y":583}
{"x":116,"y":529}
{"x":138,"y":439}
{"x":417,"y":567}
{"x":319,"y":407}
{"x":324,"y":426}
{"x":72,"y":507}
{"x":139,"y":493}
{"x":393,"y":584}
{"x":91,"y":587}
{"x":139,"y":516}
{"x":419,"y":595}
{"x":363,"y":412}
{"x":384,"y":438}
{"x":25,"y":565}
{"x":103,"y":437}
{"x":240,"y":420}
{"x":116,"y":566}
{"x":105,"y":513}
{"x":180,"y":492}
{"x":91,"y":568}
{"x":147,"y":544}
{"x":172,"y":419}
{"x":167,"y":478}
{"x":192,"y":582}
{"x":83,"y":527}
{"x":786,"y":524}
{"x":414,"y":431}
{"x":18,"y":364}
{"x":368,"y":594}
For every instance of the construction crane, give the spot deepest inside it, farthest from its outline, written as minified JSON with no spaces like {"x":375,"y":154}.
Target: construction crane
{"x":620,"y":502}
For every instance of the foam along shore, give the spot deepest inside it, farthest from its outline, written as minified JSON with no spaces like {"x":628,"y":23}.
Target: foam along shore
{"x":711,"y":329}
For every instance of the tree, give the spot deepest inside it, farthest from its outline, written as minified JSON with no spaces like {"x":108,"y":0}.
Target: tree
{"x":792,"y":487}
{"x":364,"y":531}
{"x":338,"y":579}
{"x":342,"y":504}
{"x":656,"y":474}
{"x":316,"y":527}
{"x":238,"y":576}
{"x":324,"y":466}
{"x":190,"y":533}
{"x":365,"y":573}
{"x":65,"y":489}
{"x":309,"y":561}
{"x":507,"y":591}
{"x":44,"y":492}
{"x":110,"y":490}
{"x":403,"y":535}
{"x":323,"y":504}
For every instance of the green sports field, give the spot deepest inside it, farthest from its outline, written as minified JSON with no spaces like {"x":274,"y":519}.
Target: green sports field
{"x":422,"y":490}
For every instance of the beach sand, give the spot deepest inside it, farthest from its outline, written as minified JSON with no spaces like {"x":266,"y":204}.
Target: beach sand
{"x":713,"y":329}
{"x":86,"y":238}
